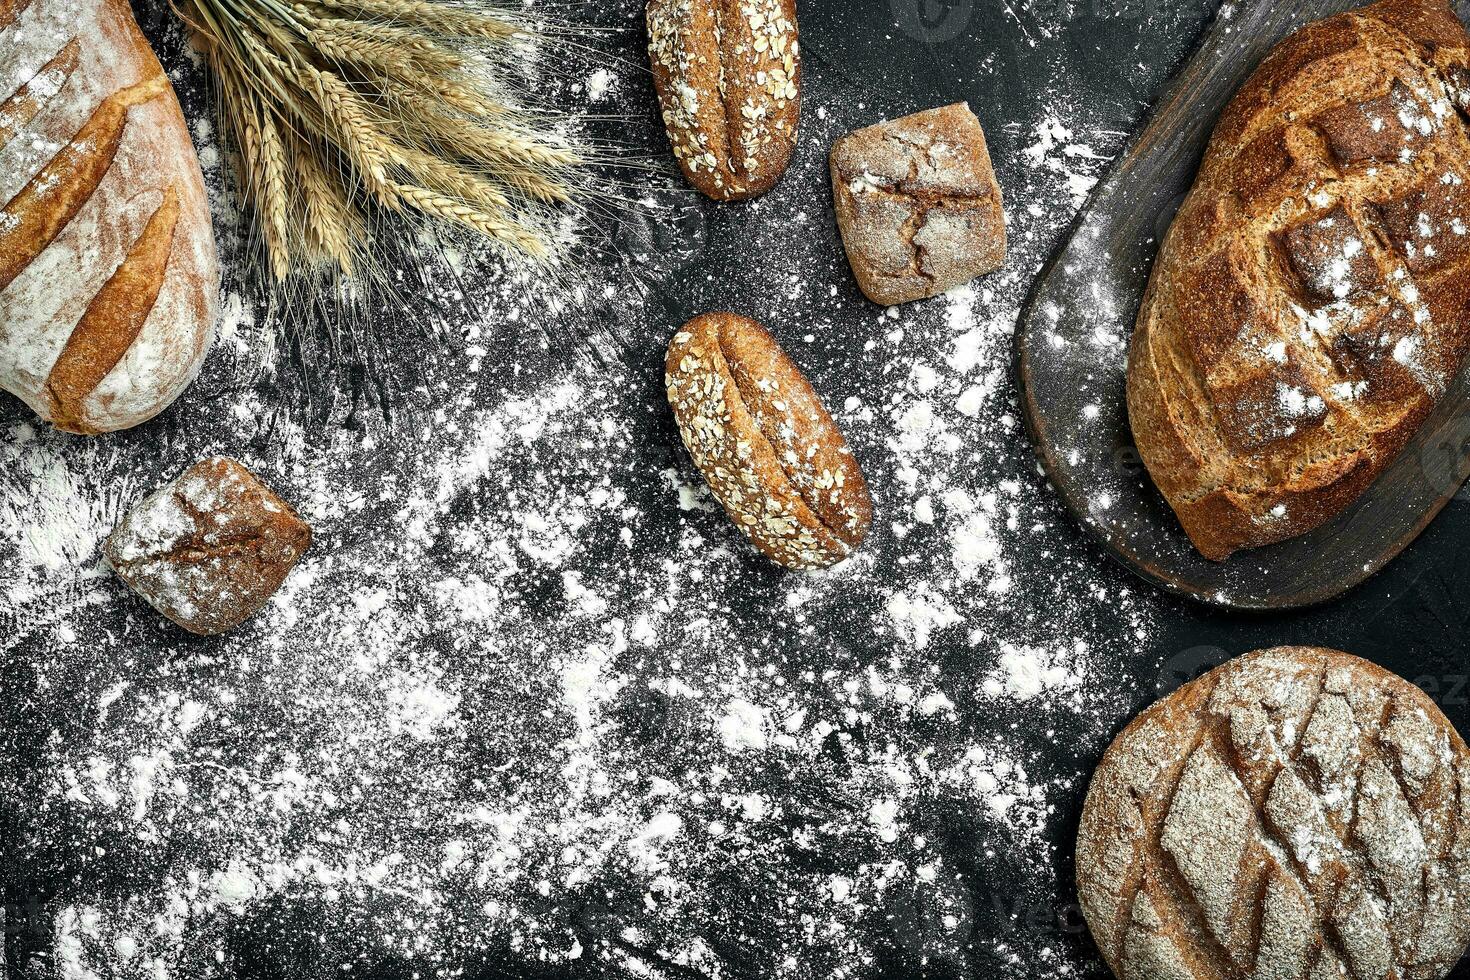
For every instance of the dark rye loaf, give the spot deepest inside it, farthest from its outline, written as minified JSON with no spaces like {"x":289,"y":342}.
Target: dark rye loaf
{"x":1309,"y":304}
{"x":1295,"y":814}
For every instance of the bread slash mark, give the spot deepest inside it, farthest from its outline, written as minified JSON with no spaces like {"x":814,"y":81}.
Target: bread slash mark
{"x":113,"y":319}
{"x":11,"y":9}
{"x":17,"y":111}
{"x":36,"y":215}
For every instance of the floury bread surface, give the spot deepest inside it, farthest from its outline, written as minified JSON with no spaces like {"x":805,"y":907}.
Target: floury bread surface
{"x":108,"y":275}
{"x":1297,"y":813}
{"x":764,"y":442}
{"x":1311,"y":302}
{"x":209,"y":548}
{"x":918,"y":205}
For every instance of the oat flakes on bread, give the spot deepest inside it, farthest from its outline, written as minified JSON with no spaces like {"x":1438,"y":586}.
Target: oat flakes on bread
{"x":1297,"y":814}
{"x":108,"y":275}
{"x":764,"y":443}
{"x":918,"y":205}
{"x":728,"y":77}
{"x":210,"y":547}
{"x":1309,"y":304}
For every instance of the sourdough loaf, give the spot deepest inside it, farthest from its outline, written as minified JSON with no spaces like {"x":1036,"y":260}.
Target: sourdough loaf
{"x":1296,"y":814}
{"x":209,"y":548}
{"x":764,"y":443}
{"x":918,"y":205}
{"x":1309,"y":304}
{"x":108,"y":275}
{"x":728,"y":76}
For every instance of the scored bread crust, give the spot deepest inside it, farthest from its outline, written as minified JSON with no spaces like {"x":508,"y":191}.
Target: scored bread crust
{"x":1309,"y":303}
{"x":1295,"y":814}
{"x":764,"y":442}
{"x":728,"y":77}
{"x":109,"y":278}
{"x":918,"y":204}
{"x":210,"y":547}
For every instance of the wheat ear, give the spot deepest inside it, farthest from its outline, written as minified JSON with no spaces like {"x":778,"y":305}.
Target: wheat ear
{"x":477,"y":219}
{"x":331,"y":220}
{"x":439,"y":18}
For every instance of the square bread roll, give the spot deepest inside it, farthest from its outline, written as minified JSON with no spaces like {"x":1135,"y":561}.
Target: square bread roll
{"x":918,"y":204}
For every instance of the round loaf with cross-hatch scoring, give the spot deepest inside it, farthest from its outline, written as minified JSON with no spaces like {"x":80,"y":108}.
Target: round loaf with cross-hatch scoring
{"x":1295,"y":814}
{"x":764,"y":442}
{"x":1309,"y":303}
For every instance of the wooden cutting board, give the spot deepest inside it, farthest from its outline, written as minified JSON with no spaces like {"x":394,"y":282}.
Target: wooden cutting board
{"x":1072,"y":348}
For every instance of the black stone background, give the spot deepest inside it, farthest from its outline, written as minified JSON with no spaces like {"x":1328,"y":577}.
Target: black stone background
{"x":897,"y":55}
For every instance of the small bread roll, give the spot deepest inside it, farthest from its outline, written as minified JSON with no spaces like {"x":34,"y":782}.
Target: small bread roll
{"x":764,"y":443}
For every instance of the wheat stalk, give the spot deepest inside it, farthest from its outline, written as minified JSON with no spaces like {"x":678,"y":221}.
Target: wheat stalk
{"x":332,"y":223}
{"x":346,"y":112}
{"x":438,"y":17}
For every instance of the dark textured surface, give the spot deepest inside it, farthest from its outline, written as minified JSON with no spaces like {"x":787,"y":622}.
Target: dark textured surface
{"x":863,"y":61}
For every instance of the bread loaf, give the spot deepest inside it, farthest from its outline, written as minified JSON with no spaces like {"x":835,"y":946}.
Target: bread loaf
{"x":728,"y":76}
{"x":209,"y":548}
{"x":108,"y":276}
{"x":918,"y":204}
{"x":764,"y":443}
{"x":1296,"y":814}
{"x":1309,"y":304}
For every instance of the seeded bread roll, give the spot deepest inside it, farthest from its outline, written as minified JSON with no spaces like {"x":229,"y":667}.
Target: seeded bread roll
{"x":108,"y":276}
{"x":1309,"y":304}
{"x":728,"y":76}
{"x":765,"y":444}
{"x":209,"y":548}
{"x":1296,"y":814}
{"x":918,"y":205}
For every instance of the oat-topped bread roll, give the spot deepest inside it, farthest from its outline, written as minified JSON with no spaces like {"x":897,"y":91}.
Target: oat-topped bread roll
{"x":764,"y":443}
{"x":1296,"y":814}
{"x":108,"y":278}
{"x":1309,"y":304}
{"x":728,"y":76}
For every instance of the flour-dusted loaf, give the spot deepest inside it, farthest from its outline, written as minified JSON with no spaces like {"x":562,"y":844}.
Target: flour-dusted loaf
{"x":1295,"y":814}
{"x":764,"y":443}
{"x":209,"y":548}
{"x":108,"y":276}
{"x":1309,"y":304}
{"x":728,"y":76}
{"x":918,"y":205}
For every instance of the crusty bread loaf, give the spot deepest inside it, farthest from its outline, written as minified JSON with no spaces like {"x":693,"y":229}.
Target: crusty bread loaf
{"x":108,"y":275}
{"x":1295,"y":814}
{"x":728,"y":76}
{"x":1309,"y":304}
{"x":918,"y":205}
{"x":209,"y":548}
{"x":764,"y":443}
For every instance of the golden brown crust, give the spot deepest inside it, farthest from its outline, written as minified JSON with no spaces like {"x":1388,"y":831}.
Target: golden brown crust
{"x":33,"y":218}
{"x":1296,"y":813}
{"x":918,"y":204}
{"x":728,"y":77}
{"x":113,"y":320}
{"x":21,"y":108}
{"x":1309,"y":304}
{"x":764,"y":443}
{"x":209,"y":548}
{"x":105,"y":314}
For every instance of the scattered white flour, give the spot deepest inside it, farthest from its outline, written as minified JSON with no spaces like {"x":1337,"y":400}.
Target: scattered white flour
{"x":530,"y":697}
